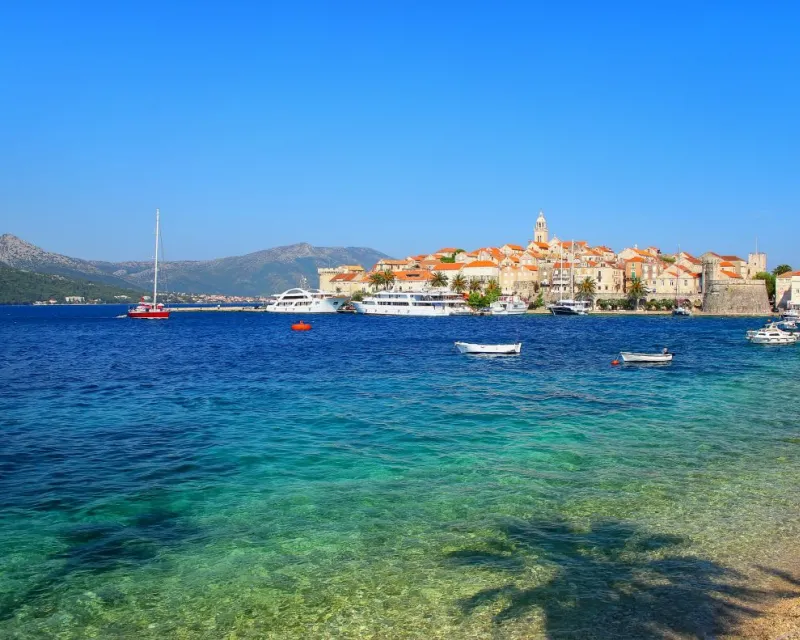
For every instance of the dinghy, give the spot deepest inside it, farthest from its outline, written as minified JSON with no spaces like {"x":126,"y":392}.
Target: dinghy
{"x":493,"y":349}
{"x":629,"y":357}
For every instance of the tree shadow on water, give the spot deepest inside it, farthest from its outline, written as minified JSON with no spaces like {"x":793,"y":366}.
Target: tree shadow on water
{"x":609,"y":581}
{"x":92,"y":549}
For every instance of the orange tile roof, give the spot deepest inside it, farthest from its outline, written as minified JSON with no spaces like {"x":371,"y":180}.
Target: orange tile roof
{"x":730,"y":274}
{"x":392,"y":261}
{"x":542,"y":245}
{"x":725,"y":263}
{"x":789,"y":274}
{"x":635,"y":259}
{"x":515,"y":247}
{"x":481,"y":263}
{"x":447,"y":266}
{"x":692,"y":259}
{"x":413,"y":274}
{"x":732,"y":258}
{"x":531,"y":267}
{"x":448,"y":250}
{"x":344,"y":277}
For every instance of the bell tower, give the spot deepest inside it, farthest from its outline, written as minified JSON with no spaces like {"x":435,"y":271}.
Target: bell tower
{"x":540,"y":233}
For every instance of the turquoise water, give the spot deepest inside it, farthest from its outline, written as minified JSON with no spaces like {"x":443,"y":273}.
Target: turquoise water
{"x":219,"y":476}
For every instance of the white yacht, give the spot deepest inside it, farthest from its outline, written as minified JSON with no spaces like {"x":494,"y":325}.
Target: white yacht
{"x":771,"y":334}
{"x":510,"y":307}
{"x":300,"y":300}
{"x":569,"y":308}
{"x":408,"y":303}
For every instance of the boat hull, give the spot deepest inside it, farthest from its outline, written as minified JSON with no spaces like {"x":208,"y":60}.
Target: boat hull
{"x":773,"y":340}
{"x":566,"y":311}
{"x":331,"y":305}
{"x":149,"y":315}
{"x":489,"y":349}
{"x":650,"y":358}
{"x":418,"y":311}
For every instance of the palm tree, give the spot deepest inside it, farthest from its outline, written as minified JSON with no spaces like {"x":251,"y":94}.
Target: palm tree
{"x":376,"y":279}
{"x":636,"y":291}
{"x":458,"y":283}
{"x":388,"y":278}
{"x":781,"y":269}
{"x":492,"y":290}
{"x":586,"y":289}
{"x":474,"y":285}
{"x":439,"y":279}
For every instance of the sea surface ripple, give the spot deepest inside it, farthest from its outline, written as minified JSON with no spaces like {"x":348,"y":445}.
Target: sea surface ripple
{"x":220,"y":476}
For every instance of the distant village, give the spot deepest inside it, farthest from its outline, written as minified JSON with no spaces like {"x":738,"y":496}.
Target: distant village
{"x":552,"y":268}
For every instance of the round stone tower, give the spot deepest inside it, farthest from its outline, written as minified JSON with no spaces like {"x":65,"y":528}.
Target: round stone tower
{"x":540,"y":233}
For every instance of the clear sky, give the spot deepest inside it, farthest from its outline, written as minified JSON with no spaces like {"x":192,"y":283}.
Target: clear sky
{"x":403,"y":126}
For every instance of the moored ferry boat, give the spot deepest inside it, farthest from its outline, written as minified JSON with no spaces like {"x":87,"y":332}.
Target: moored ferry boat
{"x":408,"y":303}
{"x":299,"y":300}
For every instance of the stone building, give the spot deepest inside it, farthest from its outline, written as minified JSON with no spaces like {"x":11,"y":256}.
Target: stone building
{"x":787,"y":289}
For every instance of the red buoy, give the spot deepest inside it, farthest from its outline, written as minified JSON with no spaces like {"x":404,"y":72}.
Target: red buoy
{"x":301,"y":326}
{"x":615,"y":362}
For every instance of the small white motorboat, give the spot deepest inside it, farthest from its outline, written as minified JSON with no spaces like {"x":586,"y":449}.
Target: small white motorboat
{"x":682,"y":312}
{"x":771,"y":334}
{"x":489,"y":349}
{"x":664,"y":356}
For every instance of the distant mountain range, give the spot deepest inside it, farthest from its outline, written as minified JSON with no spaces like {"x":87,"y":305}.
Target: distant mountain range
{"x":260,"y":273}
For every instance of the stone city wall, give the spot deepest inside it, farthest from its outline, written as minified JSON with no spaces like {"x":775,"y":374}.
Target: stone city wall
{"x":736,"y":296}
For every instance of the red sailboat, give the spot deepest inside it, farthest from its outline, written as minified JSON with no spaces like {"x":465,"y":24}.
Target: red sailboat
{"x":151,"y":310}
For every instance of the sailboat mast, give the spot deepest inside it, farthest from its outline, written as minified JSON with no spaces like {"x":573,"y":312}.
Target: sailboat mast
{"x":155,"y":274}
{"x":572,"y":272}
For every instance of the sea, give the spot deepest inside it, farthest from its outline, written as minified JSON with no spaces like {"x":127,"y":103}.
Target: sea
{"x":220,"y":476}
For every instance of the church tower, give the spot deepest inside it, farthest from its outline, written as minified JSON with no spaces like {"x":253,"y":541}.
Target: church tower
{"x":540,"y":233}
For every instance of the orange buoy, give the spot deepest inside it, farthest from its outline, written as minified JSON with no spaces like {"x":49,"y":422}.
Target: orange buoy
{"x":301,"y":326}
{"x":615,"y":362}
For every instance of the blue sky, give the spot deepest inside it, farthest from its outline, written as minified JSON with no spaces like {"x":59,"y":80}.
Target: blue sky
{"x":404,"y":126}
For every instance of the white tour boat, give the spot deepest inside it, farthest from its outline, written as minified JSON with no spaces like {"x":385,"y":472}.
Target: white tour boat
{"x":771,"y":334}
{"x":664,"y":356}
{"x":300,"y":300}
{"x":508,"y":308}
{"x":570,"y":308}
{"x":408,"y":303}
{"x":489,"y":349}
{"x":681,"y":312}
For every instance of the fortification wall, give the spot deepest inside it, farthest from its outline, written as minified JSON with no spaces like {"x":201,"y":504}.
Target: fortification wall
{"x":735,"y":296}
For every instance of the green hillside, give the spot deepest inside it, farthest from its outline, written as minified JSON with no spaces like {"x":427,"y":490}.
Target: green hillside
{"x":24,"y":287}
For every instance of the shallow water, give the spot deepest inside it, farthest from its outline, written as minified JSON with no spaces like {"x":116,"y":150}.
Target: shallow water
{"x":218,"y":475}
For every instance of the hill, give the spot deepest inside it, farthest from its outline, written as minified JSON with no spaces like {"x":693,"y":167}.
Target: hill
{"x":23,"y":287}
{"x":259,"y":273}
